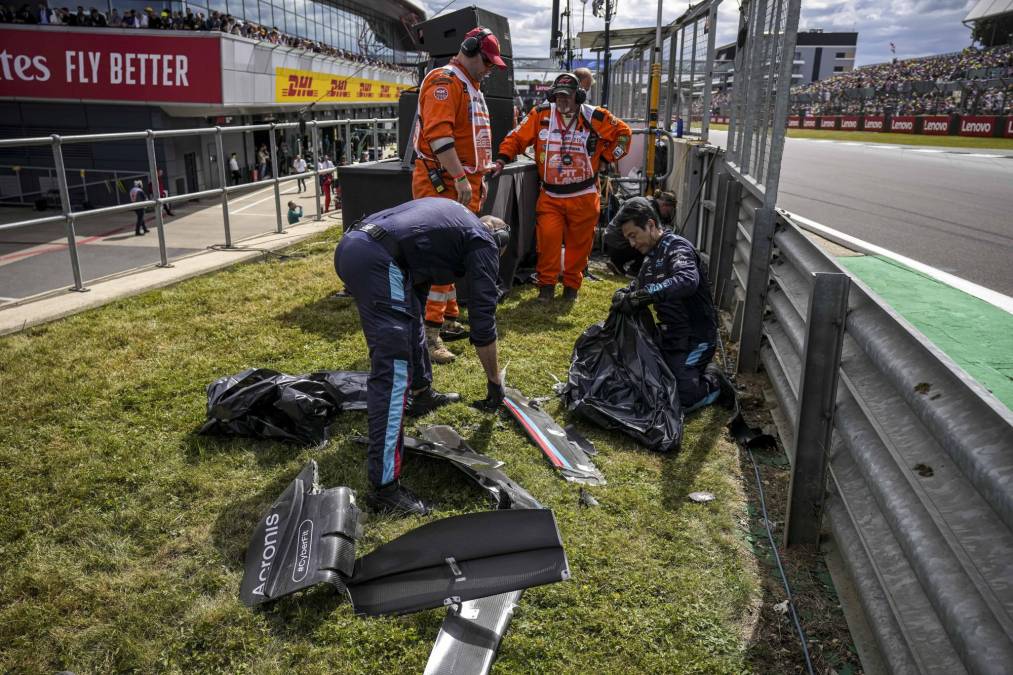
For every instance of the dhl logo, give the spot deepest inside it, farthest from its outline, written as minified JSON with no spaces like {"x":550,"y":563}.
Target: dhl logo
{"x":300,"y":86}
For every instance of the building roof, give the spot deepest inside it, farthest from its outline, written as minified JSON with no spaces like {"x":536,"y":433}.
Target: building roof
{"x":988,"y":8}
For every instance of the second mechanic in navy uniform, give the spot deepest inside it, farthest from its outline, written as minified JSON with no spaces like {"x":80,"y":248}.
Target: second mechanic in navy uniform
{"x":673,"y":279}
{"x":388,"y":261}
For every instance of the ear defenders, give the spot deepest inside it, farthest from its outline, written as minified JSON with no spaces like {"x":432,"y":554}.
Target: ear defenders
{"x":471,"y":45}
{"x":502,"y":237}
{"x":579,"y":97}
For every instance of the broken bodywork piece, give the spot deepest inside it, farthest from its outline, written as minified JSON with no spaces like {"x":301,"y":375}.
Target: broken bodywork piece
{"x":308,"y":537}
{"x":470,"y":636}
{"x":565,"y":452}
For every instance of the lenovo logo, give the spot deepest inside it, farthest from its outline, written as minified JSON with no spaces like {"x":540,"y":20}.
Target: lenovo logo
{"x":873,"y":124}
{"x":975,"y":127}
{"x":849,"y":124}
{"x":902,"y":125}
{"x":936,"y":126}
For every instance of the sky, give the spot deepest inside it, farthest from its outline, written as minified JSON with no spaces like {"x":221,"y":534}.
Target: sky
{"x":916,"y":27}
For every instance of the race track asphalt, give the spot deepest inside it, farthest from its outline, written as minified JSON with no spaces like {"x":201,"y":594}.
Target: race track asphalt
{"x":949,"y":208}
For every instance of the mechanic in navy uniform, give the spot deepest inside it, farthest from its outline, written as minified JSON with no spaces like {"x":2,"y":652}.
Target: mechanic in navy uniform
{"x":388,"y":261}
{"x":624,"y":259}
{"x":674,"y":280}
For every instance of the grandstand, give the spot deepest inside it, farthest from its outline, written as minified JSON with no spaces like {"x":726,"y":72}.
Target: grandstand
{"x":132,"y":65}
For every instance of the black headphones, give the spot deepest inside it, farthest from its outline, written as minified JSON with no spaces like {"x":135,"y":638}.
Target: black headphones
{"x":473,"y":44}
{"x":579,"y":97}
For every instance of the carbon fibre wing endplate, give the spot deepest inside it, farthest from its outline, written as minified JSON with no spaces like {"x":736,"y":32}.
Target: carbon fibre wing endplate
{"x":470,"y":636}
{"x":307,"y":537}
{"x":564,"y":452}
{"x":457,"y":559}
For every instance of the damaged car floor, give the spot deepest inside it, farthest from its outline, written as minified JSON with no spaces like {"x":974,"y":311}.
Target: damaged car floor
{"x":123,"y":531}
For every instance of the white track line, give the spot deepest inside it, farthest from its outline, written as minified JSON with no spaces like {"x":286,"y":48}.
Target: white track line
{"x":932,"y":150}
{"x":1003,"y":302}
{"x":981,"y":154}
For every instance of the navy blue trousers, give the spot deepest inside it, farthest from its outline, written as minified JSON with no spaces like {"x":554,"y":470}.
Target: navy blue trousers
{"x":696,"y":389}
{"x":390,"y":311}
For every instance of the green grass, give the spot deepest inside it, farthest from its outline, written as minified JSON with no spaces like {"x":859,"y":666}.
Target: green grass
{"x":898,"y":139}
{"x":122,"y":533}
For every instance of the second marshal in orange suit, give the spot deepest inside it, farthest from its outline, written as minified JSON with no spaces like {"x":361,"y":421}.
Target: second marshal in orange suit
{"x":571,"y":140}
{"x":453,"y":141}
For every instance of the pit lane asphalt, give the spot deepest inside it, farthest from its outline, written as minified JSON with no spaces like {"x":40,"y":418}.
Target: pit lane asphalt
{"x":951,"y":208}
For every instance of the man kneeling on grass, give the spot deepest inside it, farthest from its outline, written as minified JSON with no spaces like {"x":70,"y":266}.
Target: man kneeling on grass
{"x":388,"y":261}
{"x":674,"y":280}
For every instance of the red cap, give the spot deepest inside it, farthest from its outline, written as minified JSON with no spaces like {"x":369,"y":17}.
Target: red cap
{"x":489,"y":45}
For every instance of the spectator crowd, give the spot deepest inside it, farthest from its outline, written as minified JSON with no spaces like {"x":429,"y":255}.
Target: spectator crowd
{"x":165,"y":19}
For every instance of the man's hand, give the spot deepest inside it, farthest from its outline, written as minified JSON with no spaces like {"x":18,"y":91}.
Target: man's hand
{"x":618,"y":298}
{"x":463,"y":188}
{"x":493,"y":399}
{"x":497,"y":169}
{"x":635,"y":301}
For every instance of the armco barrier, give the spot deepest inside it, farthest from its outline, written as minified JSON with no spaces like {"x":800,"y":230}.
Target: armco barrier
{"x":935,"y":125}
{"x":978,"y":125}
{"x":903,"y":124}
{"x":919,"y":468}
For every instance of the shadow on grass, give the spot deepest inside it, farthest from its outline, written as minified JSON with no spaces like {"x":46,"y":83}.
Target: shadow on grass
{"x":680,"y":469}
{"x":330,"y":317}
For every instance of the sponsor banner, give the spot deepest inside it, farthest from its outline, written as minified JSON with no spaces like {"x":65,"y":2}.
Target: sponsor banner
{"x":936,"y":125}
{"x":903,"y":124}
{"x":1008,"y":128}
{"x":872,"y":123}
{"x":107,"y":65}
{"x":849,"y":123}
{"x":828,"y":122}
{"x":808,"y":122}
{"x":306,"y":86}
{"x":719,"y":119}
{"x":794,"y":121}
{"x":977,"y":125}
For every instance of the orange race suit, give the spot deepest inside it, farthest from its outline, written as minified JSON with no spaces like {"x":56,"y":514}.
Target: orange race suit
{"x":450,"y":105}
{"x":568,"y":155}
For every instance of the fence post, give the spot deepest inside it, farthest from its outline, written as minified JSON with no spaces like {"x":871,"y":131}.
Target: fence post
{"x":756,"y":290}
{"x":729,"y":235}
{"x":315,"y":140}
{"x":821,"y":360}
{"x":153,"y":181}
{"x":61,"y":180}
{"x":274,"y":179}
{"x":220,"y":149}
{"x":376,"y":138}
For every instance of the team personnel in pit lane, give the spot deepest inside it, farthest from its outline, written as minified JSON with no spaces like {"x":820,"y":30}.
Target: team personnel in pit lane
{"x":453,"y":141}
{"x":619,"y":251}
{"x":674,"y":280}
{"x":387,"y":261}
{"x":571,"y":140}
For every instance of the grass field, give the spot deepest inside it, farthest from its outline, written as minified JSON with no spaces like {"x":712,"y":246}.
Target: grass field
{"x":122,"y":532}
{"x":898,"y":139}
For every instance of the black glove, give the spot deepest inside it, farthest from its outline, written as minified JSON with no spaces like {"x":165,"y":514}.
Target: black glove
{"x":635,"y":301}
{"x":494,"y":394}
{"x":618,"y":297}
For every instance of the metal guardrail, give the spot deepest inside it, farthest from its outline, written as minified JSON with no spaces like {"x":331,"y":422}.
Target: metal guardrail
{"x":897,"y":454}
{"x":70,"y":217}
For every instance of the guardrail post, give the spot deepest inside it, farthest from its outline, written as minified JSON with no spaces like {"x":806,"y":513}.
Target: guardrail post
{"x":223,"y":179}
{"x":61,"y":180}
{"x":376,"y":138}
{"x":756,"y":290}
{"x":315,"y":140}
{"x":274,"y":179}
{"x":153,"y":181}
{"x":821,"y":361}
{"x":348,"y":141}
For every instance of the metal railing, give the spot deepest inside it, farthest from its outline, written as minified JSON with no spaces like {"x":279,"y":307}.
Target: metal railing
{"x":70,"y":217}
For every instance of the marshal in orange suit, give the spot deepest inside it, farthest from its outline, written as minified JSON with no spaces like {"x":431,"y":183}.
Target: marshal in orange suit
{"x":571,"y":140}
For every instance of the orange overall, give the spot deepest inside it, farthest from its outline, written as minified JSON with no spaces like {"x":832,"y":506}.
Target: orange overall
{"x":451,"y":106}
{"x":568,"y":155}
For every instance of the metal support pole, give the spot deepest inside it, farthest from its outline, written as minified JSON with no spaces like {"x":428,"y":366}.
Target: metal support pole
{"x":756,"y":290}
{"x":279,"y":228}
{"x":315,"y":141}
{"x":729,"y":233}
{"x":116,"y":186}
{"x":376,"y":138}
{"x":84,"y":188}
{"x":163,"y":259}
{"x":222,"y":177}
{"x":608,"y":54}
{"x":348,"y":141}
{"x":61,"y":180}
{"x":817,"y":397}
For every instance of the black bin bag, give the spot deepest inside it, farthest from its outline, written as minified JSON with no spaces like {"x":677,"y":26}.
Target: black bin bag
{"x":619,"y":380}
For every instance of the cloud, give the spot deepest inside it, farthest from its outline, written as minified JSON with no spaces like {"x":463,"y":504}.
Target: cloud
{"x":917,"y":27}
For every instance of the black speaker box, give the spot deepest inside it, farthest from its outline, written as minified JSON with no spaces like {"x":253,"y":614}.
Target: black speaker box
{"x":499,"y":82}
{"x":501,"y":117}
{"x":372,"y":186}
{"x":443,"y":35}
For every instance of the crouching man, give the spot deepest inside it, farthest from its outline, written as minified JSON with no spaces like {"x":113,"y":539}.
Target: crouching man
{"x":674,"y":280}
{"x":388,"y":261}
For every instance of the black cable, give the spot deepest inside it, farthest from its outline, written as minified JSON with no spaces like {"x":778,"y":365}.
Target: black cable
{"x":770,"y":535}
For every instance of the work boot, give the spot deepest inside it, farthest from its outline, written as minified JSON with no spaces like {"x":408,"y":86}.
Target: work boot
{"x":569,"y":294}
{"x":396,"y":499}
{"x":453,"y":330}
{"x":546,"y":293}
{"x":726,"y":399}
{"x":438,"y":352}
{"x":429,"y":400}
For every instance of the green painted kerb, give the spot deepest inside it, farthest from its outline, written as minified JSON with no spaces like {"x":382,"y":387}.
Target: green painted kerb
{"x":977,"y":335}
